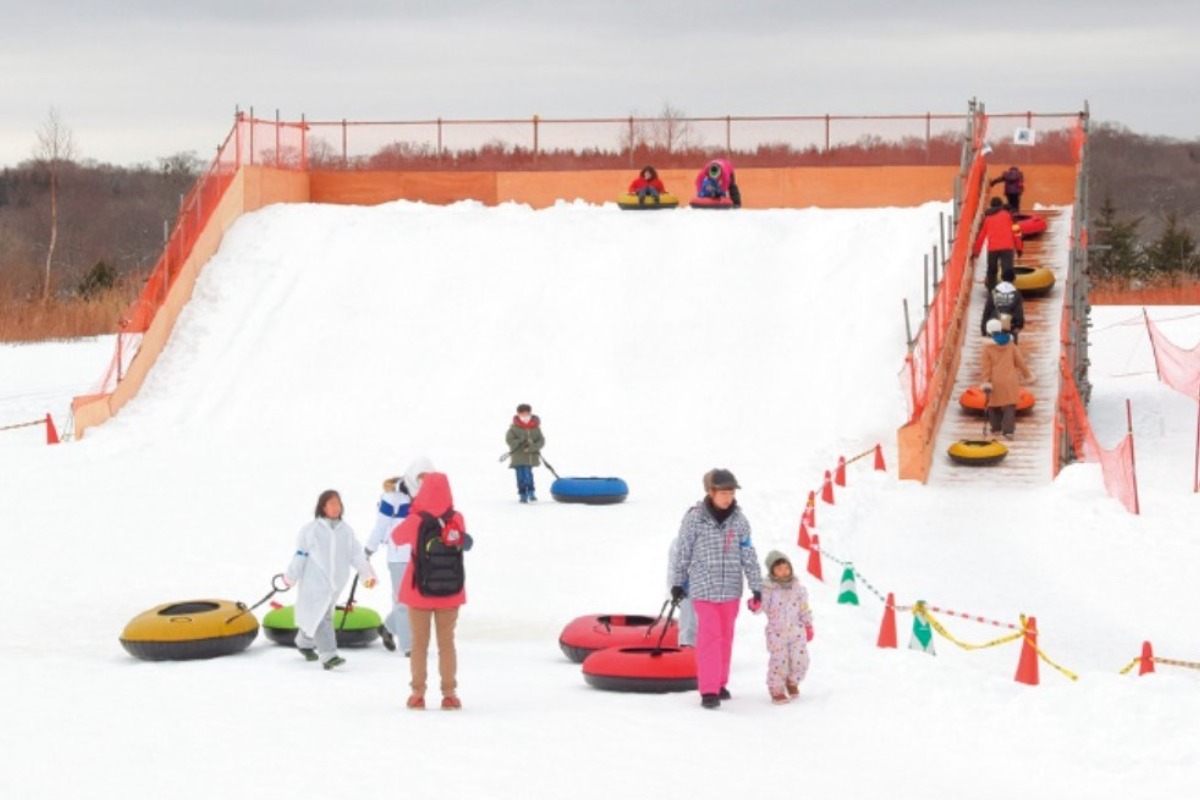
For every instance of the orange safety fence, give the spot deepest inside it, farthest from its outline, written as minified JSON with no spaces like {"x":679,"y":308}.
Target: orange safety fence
{"x":1117,"y":464}
{"x":927,"y":348}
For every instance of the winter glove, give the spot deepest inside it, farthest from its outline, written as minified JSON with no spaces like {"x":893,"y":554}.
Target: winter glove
{"x":808,"y":632}
{"x":755,"y":602}
{"x":677,"y":593}
{"x":368,"y":552}
{"x":369,"y":583}
{"x":987,"y":388}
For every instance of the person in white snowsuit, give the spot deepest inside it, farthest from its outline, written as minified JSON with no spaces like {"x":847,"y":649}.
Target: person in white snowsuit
{"x":789,"y":628}
{"x":393,"y":507}
{"x":325,"y":550}
{"x":687,"y":614}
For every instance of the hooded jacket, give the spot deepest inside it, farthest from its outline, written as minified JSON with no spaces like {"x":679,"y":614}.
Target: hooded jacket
{"x":325,"y":551}
{"x":525,"y":441}
{"x":434,"y":498}
{"x":786,"y":604}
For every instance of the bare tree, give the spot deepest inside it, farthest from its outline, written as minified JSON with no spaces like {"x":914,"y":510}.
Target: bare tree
{"x":55,"y":147}
{"x":671,"y":131}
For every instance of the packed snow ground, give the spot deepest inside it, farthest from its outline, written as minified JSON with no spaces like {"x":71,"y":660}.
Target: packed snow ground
{"x":327,"y":347}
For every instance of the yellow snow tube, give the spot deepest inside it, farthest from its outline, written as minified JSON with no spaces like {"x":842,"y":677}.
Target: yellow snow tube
{"x":1033,"y":280}
{"x":977,"y":453}
{"x":629,"y":202}
{"x":190,"y":629}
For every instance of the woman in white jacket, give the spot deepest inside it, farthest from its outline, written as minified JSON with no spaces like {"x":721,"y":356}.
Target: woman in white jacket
{"x":393,"y":508}
{"x":325,"y":550}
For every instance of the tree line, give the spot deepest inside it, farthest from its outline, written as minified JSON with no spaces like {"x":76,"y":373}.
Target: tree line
{"x":74,"y":230}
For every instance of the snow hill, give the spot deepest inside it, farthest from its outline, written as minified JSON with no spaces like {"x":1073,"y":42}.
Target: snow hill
{"x":326,"y":347}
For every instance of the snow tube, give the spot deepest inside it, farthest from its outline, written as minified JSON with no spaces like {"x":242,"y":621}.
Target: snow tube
{"x":641,"y":669}
{"x":1031,"y":225}
{"x":1032,"y":281}
{"x":973,"y":399}
{"x":360,"y":629}
{"x":190,"y":629}
{"x":585,"y":635}
{"x":974,"y":453}
{"x":594,"y":491}
{"x":711,"y":202}
{"x":629,"y":202}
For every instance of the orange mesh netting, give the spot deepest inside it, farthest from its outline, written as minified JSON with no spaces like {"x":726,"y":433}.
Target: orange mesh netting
{"x":1117,"y":464}
{"x":1177,"y":367}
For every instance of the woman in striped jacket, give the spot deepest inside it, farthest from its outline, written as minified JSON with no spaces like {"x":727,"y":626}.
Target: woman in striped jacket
{"x":714,"y":555}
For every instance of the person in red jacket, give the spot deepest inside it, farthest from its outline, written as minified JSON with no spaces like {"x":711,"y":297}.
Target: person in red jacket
{"x":1003,"y":237}
{"x":647,"y":184}
{"x":427,"y":612}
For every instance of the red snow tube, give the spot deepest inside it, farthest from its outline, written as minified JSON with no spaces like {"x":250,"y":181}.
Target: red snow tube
{"x":711,"y":202}
{"x":641,"y":669}
{"x":973,"y":399}
{"x":1030,"y":224}
{"x":585,"y":635}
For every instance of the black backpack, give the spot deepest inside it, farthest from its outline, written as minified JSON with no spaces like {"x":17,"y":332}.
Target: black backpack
{"x":438,"y":562}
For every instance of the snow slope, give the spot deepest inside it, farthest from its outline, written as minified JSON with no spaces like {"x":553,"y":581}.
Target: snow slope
{"x":326,"y":347}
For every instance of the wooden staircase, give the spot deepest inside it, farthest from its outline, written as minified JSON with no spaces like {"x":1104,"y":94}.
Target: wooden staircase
{"x":1031,"y":451}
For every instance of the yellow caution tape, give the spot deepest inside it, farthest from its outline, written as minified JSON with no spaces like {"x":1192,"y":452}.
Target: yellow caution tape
{"x":922,"y":611}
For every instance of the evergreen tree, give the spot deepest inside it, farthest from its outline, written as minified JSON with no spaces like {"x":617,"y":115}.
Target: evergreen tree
{"x":1174,"y":251}
{"x":1123,"y":256}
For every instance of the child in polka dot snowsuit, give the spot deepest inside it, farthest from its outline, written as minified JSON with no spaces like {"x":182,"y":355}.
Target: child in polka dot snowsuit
{"x":789,"y":628}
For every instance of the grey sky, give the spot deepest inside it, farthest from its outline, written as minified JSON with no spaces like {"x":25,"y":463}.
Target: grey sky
{"x":138,"y":80}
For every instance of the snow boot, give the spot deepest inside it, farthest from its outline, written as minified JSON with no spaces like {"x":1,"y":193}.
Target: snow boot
{"x":451,"y":703}
{"x":336,"y":661}
{"x":710,"y":701}
{"x":309,"y":655}
{"x":389,"y":641}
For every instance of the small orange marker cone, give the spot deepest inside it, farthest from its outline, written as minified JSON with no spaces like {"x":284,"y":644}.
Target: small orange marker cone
{"x":803,"y":539}
{"x":1147,"y":659}
{"x":879,"y":459}
{"x":887,"y":629}
{"x":827,"y":489}
{"x":51,"y":431}
{"x":1027,"y":667}
{"x":814,"y":558}
{"x":839,"y":475}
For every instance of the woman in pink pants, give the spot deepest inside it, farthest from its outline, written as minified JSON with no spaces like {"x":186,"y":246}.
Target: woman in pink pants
{"x":714,"y":553}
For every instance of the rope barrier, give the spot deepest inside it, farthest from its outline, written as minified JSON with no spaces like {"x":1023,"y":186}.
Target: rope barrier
{"x":22,"y":425}
{"x":975,"y":618}
{"x":922,"y":611}
{"x":1046,"y":658}
{"x":1168,"y":661}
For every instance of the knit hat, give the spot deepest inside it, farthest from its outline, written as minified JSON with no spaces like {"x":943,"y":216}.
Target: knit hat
{"x":719,"y":479}
{"x":773,"y":558}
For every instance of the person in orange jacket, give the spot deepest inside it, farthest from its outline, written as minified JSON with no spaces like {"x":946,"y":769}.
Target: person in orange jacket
{"x":647,"y":184}
{"x":1003,"y":237}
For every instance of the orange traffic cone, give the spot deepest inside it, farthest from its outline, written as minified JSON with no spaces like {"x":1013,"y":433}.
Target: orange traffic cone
{"x":51,"y":431}
{"x":827,"y":489}
{"x":1147,"y":659}
{"x":814,"y":558}
{"x":879,"y":458}
{"x":802,"y":540}
{"x":887,"y":630}
{"x":1027,"y":667}
{"x":810,"y":511}
{"x":839,"y":475}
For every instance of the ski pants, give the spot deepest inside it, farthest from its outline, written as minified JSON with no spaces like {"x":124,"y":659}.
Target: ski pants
{"x":323,"y":639}
{"x":1003,"y":419}
{"x":687,"y":623}
{"x":423,"y":620}
{"x":788,"y":662}
{"x":714,"y":643}
{"x":1002,"y":261}
{"x":397,"y":619}
{"x":524,"y":481}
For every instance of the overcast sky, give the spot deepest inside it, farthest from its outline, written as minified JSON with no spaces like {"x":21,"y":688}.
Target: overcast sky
{"x":138,"y":80}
